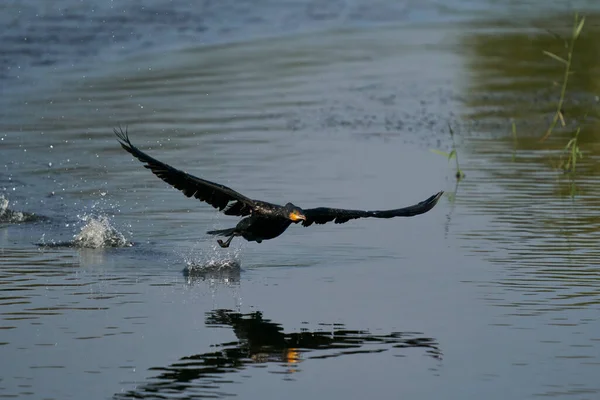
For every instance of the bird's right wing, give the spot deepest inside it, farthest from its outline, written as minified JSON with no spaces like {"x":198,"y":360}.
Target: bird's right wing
{"x":322,"y":215}
{"x":218,"y":196}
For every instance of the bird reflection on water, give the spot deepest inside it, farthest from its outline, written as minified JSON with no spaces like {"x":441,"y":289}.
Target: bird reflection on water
{"x":261,"y":341}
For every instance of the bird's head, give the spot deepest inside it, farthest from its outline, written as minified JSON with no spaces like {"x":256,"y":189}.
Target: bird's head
{"x":293,"y":213}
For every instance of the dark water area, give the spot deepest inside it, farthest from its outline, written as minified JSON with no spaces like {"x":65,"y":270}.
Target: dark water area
{"x":110,"y":287}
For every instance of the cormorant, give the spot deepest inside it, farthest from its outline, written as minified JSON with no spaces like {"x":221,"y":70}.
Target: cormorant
{"x":263,"y":220}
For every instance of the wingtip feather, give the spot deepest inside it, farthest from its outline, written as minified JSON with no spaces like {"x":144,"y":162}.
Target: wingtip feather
{"x":122,"y":136}
{"x":433,"y":200}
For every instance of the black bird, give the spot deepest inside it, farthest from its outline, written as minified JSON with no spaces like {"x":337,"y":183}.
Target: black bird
{"x":265,"y":220}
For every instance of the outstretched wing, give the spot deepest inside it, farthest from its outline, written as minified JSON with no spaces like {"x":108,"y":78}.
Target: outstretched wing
{"x":322,"y":215}
{"x":216,"y":195}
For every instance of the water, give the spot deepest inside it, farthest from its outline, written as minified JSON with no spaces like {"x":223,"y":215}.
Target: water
{"x":110,"y":287}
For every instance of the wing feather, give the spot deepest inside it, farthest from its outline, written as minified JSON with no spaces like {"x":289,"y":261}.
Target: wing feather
{"x":322,"y":215}
{"x":219,"y":196}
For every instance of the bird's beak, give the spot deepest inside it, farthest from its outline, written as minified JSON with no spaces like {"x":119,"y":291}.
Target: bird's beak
{"x":297,"y":217}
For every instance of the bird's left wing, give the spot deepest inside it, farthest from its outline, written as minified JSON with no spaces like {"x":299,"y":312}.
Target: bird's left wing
{"x":219,"y":196}
{"x":322,"y":215}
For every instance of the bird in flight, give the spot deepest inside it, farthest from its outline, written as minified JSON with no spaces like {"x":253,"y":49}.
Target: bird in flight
{"x":263,"y":220}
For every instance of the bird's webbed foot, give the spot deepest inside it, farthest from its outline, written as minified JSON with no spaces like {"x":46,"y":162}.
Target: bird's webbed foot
{"x":226,"y":243}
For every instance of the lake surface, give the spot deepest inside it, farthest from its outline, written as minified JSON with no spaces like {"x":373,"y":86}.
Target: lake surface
{"x":110,"y":287}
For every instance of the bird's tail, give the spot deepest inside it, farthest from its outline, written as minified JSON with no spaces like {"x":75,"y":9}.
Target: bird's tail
{"x":222,"y":232}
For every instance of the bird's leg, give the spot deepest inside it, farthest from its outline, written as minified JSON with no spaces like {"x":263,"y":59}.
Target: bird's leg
{"x":226,"y":243}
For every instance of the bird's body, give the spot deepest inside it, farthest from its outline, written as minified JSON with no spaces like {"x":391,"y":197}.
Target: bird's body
{"x":263,"y":220}
{"x":256,"y":228}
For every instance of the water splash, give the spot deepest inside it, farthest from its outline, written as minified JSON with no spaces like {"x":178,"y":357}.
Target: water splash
{"x":9,"y":216}
{"x":97,"y":232}
{"x":217,"y":265}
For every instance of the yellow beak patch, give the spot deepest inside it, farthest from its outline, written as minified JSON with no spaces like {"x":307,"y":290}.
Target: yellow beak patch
{"x":297,"y":217}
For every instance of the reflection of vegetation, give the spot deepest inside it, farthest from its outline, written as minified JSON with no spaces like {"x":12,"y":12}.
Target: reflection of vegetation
{"x":453,"y":154}
{"x":570,"y":46}
{"x":547,"y":250}
{"x":515,"y":141}
{"x":451,"y":196}
{"x":573,"y":154}
{"x":572,"y":149}
{"x":261,"y":341}
{"x":512,"y":79}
